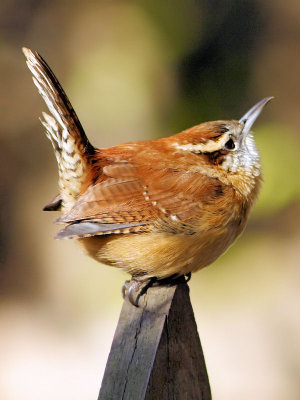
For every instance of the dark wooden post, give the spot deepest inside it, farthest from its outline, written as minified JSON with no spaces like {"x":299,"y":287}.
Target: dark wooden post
{"x":156,"y":351}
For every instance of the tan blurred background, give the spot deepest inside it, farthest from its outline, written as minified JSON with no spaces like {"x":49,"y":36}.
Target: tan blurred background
{"x":138,"y":70}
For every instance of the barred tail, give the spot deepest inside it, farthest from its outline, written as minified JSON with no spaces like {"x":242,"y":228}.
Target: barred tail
{"x":71,"y":145}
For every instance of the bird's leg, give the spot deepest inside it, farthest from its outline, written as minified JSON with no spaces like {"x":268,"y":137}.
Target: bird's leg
{"x":135,"y":288}
{"x":175,"y":279}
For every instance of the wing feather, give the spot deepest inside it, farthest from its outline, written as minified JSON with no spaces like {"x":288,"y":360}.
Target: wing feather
{"x":87,"y":229}
{"x":166,"y":200}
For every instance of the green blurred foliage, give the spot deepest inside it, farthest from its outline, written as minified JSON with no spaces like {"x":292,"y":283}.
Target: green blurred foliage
{"x":279,"y":147}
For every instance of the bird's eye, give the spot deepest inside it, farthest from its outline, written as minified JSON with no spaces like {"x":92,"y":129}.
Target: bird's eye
{"x":229,"y":145}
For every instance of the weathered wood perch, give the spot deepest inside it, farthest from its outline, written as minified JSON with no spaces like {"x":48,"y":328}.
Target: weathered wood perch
{"x":156,"y":351}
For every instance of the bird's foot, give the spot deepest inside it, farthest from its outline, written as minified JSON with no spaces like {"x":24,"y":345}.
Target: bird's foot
{"x":175,"y":279}
{"x":188,"y":277}
{"x":135,"y":288}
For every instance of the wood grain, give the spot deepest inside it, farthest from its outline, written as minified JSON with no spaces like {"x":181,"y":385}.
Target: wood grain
{"x":156,"y":351}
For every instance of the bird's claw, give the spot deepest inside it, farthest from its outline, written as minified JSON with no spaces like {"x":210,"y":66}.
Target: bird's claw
{"x":136,"y":288}
{"x":125,"y":288}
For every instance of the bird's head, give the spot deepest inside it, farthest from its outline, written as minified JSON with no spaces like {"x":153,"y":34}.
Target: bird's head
{"x":227,"y":144}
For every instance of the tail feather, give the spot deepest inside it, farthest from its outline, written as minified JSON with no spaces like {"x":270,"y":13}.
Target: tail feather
{"x":54,"y":134}
{"x":55,"y":97}
{"x":63,"y":129}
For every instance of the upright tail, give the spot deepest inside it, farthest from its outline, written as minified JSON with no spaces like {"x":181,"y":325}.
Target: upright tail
{"x":70,"y":143}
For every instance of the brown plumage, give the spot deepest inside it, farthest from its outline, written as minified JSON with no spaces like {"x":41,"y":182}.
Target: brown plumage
{"x":156,"y":208}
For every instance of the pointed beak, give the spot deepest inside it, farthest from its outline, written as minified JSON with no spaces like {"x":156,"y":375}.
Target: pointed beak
{"x":249,"y":118}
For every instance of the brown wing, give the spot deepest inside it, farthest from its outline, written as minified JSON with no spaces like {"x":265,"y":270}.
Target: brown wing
{"x":87,"y":229}
{"x":137,"y":200}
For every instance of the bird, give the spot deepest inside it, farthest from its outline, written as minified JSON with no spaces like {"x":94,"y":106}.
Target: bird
{"x":158,"y":209}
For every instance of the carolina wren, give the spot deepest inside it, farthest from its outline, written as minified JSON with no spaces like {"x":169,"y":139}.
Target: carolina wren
{"x":158,"y":208}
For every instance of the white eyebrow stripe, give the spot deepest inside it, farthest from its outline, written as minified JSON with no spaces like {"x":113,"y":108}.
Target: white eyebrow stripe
{"x":208,"y":147}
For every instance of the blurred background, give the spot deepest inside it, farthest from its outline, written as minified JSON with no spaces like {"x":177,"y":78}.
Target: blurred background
{"x":138,"y":70}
